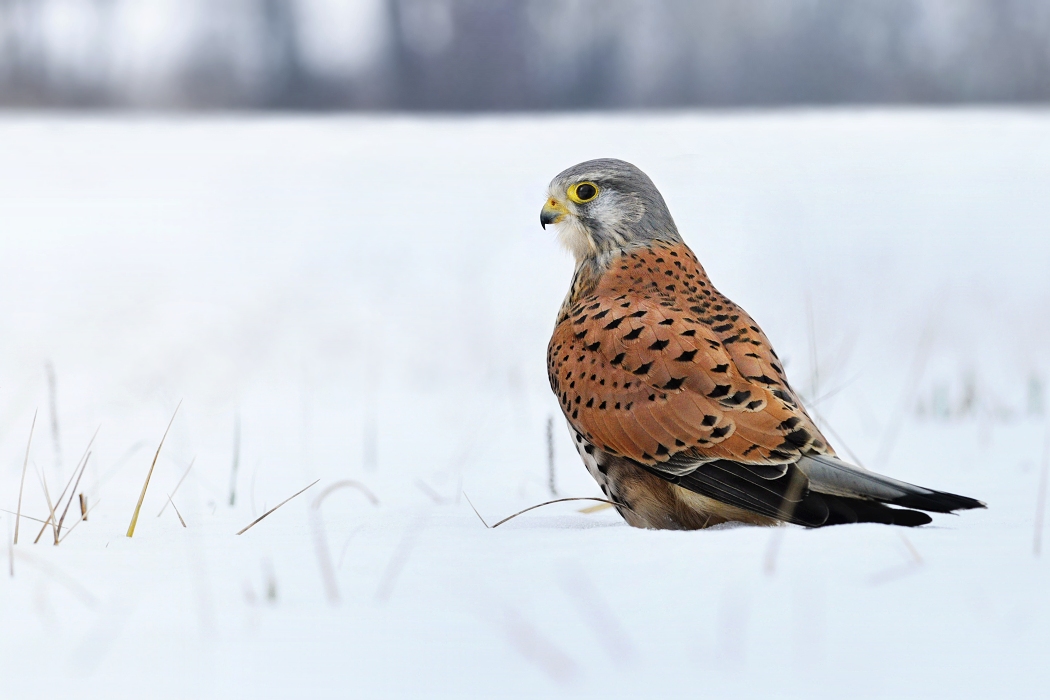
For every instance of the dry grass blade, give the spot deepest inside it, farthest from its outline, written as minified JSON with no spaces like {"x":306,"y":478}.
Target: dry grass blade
{"x":22,"y":484}
{"x":145,"y":485}
{"x":74,"y":525}
{"x":72,"y":493}
{"x":79,"y":470}
{"x":595,"y":509}
{"x":176,"y":510}
{"x":253,"y":523}
{"x":557,"y":500}
{"x":27,"y":517}
{"x":476,"y":510}
{"x":81,"y":463}
{"x":345,"y":483}
{"x":176,"y":490}
{"x":51,"y":518}
{"x":324,"y":558}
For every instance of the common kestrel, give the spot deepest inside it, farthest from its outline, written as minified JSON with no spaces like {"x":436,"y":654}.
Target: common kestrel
{"x":676,"y":401}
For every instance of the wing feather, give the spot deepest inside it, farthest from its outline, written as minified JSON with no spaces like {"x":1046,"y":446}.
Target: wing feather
{"x":653,"y":372}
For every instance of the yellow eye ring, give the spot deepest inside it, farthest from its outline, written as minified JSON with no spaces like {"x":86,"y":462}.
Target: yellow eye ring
{"x":583,"y":192}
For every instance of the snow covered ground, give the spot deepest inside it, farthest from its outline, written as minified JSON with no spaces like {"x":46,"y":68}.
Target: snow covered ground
{"x":370,"y":299}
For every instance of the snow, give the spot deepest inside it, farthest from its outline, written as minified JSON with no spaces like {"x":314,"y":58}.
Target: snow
{"x":370,"y":298}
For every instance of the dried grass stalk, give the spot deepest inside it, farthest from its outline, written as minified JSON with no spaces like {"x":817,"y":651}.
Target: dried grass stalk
{"x":252,"y":523}
{"x":176,"y":490}
{"x":540,"y":505}
{"x":145,"y":485}
{"x":50,"y":507}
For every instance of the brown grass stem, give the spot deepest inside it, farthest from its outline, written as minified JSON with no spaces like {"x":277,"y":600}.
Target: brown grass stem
{"x":87,"y":449}
{"x":324,"y":556}
{"x":595,"y":509}
{"x":176,"y":510}
{"x":145,"y":485}
{"x":476,"y":510}
{"x":546,"y":503}
{"x":260,"y":518}
{"x":50,"y":507}
{"x":79,"y":520}
{"x":21,"y":486}
{"x":176,"y":489}
{"x":79,"y":470}
{"x":72,"y":494}
{"x":27,"y":517}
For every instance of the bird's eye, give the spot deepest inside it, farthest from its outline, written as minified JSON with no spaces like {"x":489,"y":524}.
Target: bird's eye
{"x":583,"y":192}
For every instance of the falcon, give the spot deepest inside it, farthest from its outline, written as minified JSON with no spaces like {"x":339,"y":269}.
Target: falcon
{"x":674,"y":396}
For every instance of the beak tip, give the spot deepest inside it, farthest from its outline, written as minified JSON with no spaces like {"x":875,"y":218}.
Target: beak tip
{"x":551,"y":214}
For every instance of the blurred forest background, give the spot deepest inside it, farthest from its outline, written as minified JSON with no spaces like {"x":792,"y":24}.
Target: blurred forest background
{"x":458,"y":55}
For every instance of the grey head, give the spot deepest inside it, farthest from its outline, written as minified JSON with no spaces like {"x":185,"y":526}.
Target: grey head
{"x":602,"y":206}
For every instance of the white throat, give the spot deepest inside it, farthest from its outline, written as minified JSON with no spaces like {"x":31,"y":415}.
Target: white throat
{"x":574,"y":236}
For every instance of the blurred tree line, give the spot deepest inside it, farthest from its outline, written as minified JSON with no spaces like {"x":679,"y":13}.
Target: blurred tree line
{"x":519,"y":54}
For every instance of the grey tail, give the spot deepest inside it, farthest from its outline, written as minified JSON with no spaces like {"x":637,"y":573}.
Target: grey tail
{"x":833,"y":477}
{"x":816,"y":491}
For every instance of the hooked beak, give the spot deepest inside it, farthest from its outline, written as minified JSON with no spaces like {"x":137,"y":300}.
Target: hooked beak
{"x":553,"y":212}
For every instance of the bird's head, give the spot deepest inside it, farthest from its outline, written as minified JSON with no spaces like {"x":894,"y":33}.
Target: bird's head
{"x":604,"y":205}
